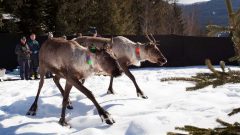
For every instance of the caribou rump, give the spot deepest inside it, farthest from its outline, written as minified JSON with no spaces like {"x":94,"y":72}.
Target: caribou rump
{"x":67,"y":59}
{"x":127,"y":53}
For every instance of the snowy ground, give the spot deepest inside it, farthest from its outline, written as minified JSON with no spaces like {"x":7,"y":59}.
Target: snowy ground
{"x":169,"y":105}
{"x":191,"y":1}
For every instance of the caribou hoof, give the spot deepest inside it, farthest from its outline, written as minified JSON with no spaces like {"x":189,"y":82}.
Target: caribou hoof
{"x":33,"y":113}
{"x":110,"y":92}
{"x":64,"y":123}
{"x":107,"y":118}
{"x":142,"y":96}
{"x":70,"y":107}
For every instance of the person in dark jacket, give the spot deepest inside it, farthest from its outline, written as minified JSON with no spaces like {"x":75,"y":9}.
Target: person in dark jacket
{"x":23,"y":56}
{"x":93,"y":32}
{"x":34,"y":47}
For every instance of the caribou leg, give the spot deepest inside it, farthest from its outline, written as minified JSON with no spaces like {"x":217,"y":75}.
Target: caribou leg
{"x":56,"y":80}
{"x":68,"y":88}
{"x":130,"y":75}
{"x":105,"y":116}
{"x":33,"y":108}
{"x":110,"y":89}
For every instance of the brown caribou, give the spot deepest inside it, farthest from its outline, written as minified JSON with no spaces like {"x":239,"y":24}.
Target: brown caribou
{"x":67,"y":59}
{"x":127,"y":53}
{"x":98,"y":42}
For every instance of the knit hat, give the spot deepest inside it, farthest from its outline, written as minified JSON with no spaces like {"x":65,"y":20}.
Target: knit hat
{"x":92,"y":30}
{"x":23,"y":38}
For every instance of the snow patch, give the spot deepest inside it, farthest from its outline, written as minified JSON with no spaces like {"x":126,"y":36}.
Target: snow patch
{"x":168,"y":105}
{"x":191,"y":1}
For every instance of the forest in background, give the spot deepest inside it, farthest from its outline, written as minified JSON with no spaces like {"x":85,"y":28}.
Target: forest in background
{"x":115,"y":17}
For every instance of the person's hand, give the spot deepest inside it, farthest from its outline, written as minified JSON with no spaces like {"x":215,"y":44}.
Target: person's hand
{"x":29,"y":52}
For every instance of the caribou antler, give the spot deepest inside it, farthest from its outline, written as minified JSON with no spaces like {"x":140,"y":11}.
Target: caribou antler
{"x":154,"y":41}
{"x":146,"y":35}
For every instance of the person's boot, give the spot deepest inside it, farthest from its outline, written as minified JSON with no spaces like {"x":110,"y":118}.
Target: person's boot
{"x":36,"y":76}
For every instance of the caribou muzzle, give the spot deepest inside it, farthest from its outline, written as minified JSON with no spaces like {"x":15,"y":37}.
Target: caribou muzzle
{"x":162,"y":61}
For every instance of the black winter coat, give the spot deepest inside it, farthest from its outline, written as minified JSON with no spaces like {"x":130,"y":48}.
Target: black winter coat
{"x":23,"y":52}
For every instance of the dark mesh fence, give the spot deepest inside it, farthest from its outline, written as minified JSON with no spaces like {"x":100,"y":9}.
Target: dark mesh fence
{"x":179,"y":50}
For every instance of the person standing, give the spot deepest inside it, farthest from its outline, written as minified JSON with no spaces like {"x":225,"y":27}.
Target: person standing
{"x":34,"y":47}
{"x":23,"y":56}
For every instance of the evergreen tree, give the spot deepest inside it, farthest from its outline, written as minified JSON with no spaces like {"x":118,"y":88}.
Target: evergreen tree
{"x":178,"y":27}
{"x":114,"y":17}
{"x":31,"y":15}
{"x":1,"y":16}
{"x":191,"y":22}
{"x":50,"y":15}
{"x":88,"y":15}
{"x":9,"y":6}
{"x":124,"y":18}
{"x":110,"y":17}
{"x":234,"y":111}
{"x":157,"y":17}
{"x":60,"y":17}
{"x":70,"y":16}
{"x":102,"y":17}
{"x":215,"y":78}
{"x":225,"y":129}
{"x":137,"y":19}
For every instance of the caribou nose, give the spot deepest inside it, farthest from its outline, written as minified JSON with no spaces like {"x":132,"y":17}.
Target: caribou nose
{"x":162,"y":61}
{"x":165,"y":60}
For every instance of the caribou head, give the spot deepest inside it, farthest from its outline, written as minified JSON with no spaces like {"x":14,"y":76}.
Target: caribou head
{"x":153,"y":53}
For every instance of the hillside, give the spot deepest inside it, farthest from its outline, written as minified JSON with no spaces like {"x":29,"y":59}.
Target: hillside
{"x":213,"y":12}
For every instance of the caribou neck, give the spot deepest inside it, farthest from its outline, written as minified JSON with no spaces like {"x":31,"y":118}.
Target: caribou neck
{"x":92,"y":62}
{"x":139,"y":52}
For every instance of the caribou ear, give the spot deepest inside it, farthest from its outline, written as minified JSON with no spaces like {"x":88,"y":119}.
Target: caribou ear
{"x":107,"y":46}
